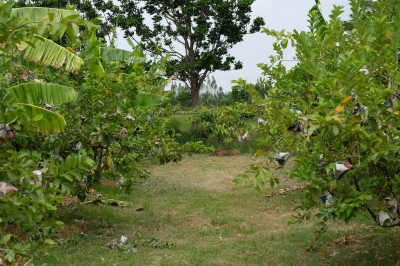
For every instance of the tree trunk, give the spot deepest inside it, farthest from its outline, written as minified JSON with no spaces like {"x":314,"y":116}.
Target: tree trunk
{"x":99,"y":163}
{"x":195,"y":91}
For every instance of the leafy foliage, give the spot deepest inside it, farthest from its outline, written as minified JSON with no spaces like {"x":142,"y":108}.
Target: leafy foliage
{"x":225,"y":124}
{"x":107,"y":105}
{"x":46,"y":52}
{"x":346,"y":86}
{"x":39,"y":93}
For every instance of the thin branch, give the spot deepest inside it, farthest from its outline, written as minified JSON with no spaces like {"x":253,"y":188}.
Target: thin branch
{"x":389,"y":181}
{"x":172,"y":52}
{"x":373,"y":215}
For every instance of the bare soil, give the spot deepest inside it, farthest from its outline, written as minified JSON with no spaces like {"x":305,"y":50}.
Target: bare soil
{"x":220,"y":152}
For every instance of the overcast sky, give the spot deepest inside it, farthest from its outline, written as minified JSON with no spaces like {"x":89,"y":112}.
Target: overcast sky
{"x":256,"y":48}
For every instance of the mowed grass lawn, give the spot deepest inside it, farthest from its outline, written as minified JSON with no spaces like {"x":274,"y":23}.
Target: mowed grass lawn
{"x":194,"y":207}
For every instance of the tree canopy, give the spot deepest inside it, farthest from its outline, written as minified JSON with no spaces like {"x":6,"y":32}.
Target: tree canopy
{"x":197,"y":34}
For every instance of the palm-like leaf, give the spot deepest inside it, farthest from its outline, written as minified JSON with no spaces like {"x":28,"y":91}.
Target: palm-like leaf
{"x":318,"y":19}
{"x":145,"y":99}
{"x":114,"y":54}
{"x":42,"y":93}
{"x":48,"y":53}
{"x":39,"y":13}
{"x":41,"y":120}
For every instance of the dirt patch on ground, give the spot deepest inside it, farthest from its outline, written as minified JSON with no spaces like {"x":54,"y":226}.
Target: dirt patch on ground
{"x":220,"y":152}
{"x":202,"y":172}
{"x":197,"y":222}
{"x":71,"y":230}
{"x":70,"y":200}
{"x":108,"y":182}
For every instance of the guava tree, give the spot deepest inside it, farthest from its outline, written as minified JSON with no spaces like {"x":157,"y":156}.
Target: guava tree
{"x":345,"y":88}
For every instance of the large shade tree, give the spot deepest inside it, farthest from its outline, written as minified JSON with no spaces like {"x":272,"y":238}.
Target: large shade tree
{"x":197,"y":34}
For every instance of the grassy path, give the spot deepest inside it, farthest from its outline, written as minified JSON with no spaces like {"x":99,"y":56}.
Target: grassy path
{"x":192,"y":214}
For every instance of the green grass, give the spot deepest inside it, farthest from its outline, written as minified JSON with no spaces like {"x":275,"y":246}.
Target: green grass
{"x":194,"y":205}
{"x":245,"y":147}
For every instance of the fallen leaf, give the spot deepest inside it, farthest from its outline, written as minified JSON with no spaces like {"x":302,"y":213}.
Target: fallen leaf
{"x":345,"y":100}
{"x":324,"y":254}
{"x":369,"y":227}
{"x":388,"y":33}
{"x":339,"y":108}
{"x":396,"y":113}
{"x":72,"y":50}
{"x":337,"y":118}
{"x":259,"y":152}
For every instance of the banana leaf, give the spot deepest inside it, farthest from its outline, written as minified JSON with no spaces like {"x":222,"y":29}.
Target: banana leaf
{"x":45,"y":52}
{"x":41,"y":120}
{"x":114,"y":54}
{"x":319,"y":20}
{"x":38,"y":93}
{"x":38,"y":13}
{"x":145,"y":99}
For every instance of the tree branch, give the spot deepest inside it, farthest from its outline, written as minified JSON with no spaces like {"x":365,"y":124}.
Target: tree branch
{"x":389,"y":181}
{"x":373,"y":215}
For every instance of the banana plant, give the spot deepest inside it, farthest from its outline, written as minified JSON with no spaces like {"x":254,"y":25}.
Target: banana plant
{"x":114,"y":54}
{"x":26,"y":98}
{"x":23,"y":35}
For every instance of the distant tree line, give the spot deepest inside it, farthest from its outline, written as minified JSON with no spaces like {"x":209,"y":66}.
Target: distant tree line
{"x":213,"y":95}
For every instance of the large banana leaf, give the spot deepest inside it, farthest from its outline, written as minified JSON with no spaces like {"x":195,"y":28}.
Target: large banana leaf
{"x":38,"y":13}
{"x":114,"y":54}
{"x":45,"y":52}
{"x":318,"y":19}
{"x":38,"y":93}
{"x":145,"y":99}
{"x":41,"y":120}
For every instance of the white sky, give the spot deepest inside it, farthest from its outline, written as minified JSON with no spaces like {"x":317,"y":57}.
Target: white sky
{"x":256,"y":48}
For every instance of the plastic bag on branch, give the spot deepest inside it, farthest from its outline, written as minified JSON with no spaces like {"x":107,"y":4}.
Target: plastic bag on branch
{"x":6,"y":188}
{"x":341,"y":169}
{"x":282,"y":158}
{"x":6,"y":133}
